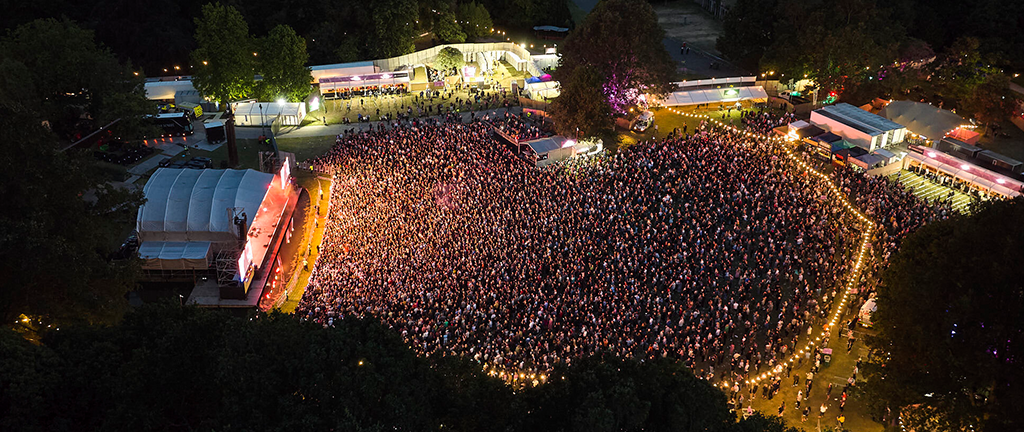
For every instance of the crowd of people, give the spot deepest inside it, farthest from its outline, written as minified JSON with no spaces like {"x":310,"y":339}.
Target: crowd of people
{"x":897,"y":210}
{"x":709,"y":249}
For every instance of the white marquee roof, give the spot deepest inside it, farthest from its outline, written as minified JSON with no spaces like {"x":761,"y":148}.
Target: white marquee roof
{"x":732,"y":94}
{"x":194,"y":205}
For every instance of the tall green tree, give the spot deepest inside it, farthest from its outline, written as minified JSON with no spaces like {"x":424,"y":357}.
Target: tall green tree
{"x":449,"y":58}
{"x":949,"y":340}
{"x":582,"y":108}
{"x":448,"y":30}
{"x":621,"y":40}
{"x":224,"y":62}
{"x":393,"y":27}
{"x":282,"y":66}
{"x":57,"y":72}
{"x":476,"y":20}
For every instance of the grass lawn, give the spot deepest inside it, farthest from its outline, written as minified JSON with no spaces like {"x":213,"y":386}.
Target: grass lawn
{"x":306,"y":147}
{"x":248,"y":154}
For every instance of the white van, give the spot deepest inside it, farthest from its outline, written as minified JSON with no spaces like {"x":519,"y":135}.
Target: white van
{"x":867,"y":312}
{"x":643,"y":121}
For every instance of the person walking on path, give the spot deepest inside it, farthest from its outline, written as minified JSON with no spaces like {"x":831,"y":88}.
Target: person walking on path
{"x":799,"y":397}
{"x":821,"y":411}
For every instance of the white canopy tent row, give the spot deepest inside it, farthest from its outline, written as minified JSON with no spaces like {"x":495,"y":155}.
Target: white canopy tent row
{"x":715,"y":96}
{"x":264,"y":113}
{"x":187,"y":205}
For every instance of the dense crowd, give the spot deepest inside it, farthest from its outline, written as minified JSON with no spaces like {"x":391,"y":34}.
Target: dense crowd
{"x":897,"y":210}
{"x":707,"y":249}
{"x":761,"y":121}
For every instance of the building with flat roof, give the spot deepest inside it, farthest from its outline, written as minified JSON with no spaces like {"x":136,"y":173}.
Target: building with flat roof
{"x":861,"y":128}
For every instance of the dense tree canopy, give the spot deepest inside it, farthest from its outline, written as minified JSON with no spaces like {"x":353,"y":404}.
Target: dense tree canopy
{"x":582,"y":106}
{"x":58,"y":221}
{"x":448,"y":30}
{"x":476,"y":20}
{"x":57,"y":72}
{"x":630,"y":59}
{"x":168,"y":368}
{"x":951,"y":339}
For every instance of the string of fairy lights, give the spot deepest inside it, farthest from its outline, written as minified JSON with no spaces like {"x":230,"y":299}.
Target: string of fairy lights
{"x":523,"y":378}
{"x":836,"y":192}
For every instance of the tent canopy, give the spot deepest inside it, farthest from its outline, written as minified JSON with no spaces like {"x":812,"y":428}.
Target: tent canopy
{"x":921,"y":118}
{"x":160,"y":255}
{"x":722,"y":95}
{"x":187,"y":205}
{"x":544,"y":145}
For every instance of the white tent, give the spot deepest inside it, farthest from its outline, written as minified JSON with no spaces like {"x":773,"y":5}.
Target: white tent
{"x":541,"y":90}
{"x":159,"y":255}
{"x":923,"y":119}
{"x":714,"y":96}
{"x":255,"y":113}
{"x":197,"y":205}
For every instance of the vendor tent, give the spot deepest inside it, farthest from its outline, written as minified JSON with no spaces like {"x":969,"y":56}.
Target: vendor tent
{"x":715,"y":96}
{"x":188,"y":205}
{"x":161,"y":255}
{"x":923,"y":119}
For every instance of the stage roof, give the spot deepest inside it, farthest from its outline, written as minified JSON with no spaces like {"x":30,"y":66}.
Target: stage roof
{"x":196,"y":205}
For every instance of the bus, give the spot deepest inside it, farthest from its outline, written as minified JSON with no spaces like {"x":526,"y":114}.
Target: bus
{"x":172,"y":124}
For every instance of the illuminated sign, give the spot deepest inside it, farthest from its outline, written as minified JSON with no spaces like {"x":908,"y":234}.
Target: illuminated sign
{"x":245,"y":263}
{"x":285,"y":173}
{"x":731,"y":92}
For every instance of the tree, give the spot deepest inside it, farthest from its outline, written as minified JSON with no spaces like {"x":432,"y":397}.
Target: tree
{"x":582,"y":106}
{"x":747,"y":32}
{"x":976,"y":87}
{"x":224,"y":61}
{"x":59,"y":217}
{"x":609,"y":394}
{"x":638,"y":64}
{"x":947,"y":352}
{"x":761,"y":423}
{"x":449,"y":58}
{"x":55,"y":70}
{"x":476,"y":20}
{"x":839,"y":44}
{"x":447,"y":29}
{"x":282,"y":65}
{"x":392,"y":28}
